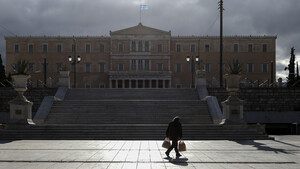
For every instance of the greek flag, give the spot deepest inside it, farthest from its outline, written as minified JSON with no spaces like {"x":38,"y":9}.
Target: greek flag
{"x":144,"y":7}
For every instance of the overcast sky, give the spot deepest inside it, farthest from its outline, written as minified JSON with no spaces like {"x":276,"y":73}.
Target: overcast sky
{"x":182,"y":17}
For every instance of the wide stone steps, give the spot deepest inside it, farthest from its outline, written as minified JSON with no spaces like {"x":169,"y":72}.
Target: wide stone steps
{"x":128,"y":112}
{"x":128,"y":132}
{"x":132,"y":94}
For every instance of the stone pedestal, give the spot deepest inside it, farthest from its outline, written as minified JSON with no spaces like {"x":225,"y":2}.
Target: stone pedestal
{"x":20,"y":107}
{"x":20,"y":112}
{"x":64,"y":79}
{"x":233,"y":107}
{"x":233,"y":111}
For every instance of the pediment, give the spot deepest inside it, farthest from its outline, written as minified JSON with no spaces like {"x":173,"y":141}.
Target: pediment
{"x":140,"y":30}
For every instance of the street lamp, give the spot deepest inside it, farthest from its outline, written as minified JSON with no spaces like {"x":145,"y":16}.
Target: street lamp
{"x":74,"y":61}
{"x":193,"y":61}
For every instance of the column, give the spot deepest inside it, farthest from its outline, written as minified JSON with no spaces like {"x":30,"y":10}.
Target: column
{"x":143,"y":83}
{"x":164,"y":86}
{"x":170,"y":84}
{"x":150,"y":83}
{"x":136,"y":83}
{"x":123,"y":83}
{"x":110,"y":83}
{"x":130,"y":83}
{"x":116,"y":83}
{"x":156,"y":83}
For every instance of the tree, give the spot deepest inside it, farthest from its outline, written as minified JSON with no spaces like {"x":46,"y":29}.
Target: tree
{"x":291,"y":68}
{"x":2,"y":72}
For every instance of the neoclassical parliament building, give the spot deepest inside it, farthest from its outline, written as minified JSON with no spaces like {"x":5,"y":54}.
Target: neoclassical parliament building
{"x":140,"y":57}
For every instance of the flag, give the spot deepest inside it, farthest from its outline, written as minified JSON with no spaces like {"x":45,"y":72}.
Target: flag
{"x":144,"y":7}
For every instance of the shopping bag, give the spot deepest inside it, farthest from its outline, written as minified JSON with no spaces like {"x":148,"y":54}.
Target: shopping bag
{"x":181,"y":146}
{"x":166,"y":143}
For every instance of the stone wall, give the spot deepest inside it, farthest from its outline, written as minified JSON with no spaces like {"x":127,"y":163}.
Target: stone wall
{"x":34,"y":95}
{"x":264,"y":99}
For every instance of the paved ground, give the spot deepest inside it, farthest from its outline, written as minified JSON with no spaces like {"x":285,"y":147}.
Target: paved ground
{"x":284,"y":152}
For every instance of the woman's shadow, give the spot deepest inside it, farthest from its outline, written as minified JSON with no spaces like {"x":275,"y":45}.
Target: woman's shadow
{"x":178,"y":161}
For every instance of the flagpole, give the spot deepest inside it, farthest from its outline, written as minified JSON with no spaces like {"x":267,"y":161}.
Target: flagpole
{"x":140,"y":13}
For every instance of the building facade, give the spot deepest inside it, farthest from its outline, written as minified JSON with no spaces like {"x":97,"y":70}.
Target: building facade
{"x":141,"y":57}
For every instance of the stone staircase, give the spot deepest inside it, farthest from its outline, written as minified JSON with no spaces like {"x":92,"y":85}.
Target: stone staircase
{"x":128,"y":114}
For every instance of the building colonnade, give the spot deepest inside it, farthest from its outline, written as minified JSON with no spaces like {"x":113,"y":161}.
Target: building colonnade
{"x":139,"y":83}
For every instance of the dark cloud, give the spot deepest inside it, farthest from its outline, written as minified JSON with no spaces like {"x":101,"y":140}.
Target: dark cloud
{"x":182,"y":17}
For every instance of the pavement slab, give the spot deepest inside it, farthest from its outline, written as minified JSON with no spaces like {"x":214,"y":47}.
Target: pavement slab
{"x":283,"y":152}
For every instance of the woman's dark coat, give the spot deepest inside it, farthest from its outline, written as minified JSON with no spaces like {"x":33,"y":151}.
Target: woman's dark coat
{"x":174,"y":131}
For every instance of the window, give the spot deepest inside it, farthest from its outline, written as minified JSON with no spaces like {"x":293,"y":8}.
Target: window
{"x":178,"y":48}
{"x":140,"y":64}
{"x":73,"y":48}
{"x":30,"y":48}
{"x":193,"y":48}
{"x":102,"y":48}
{"x":17,"y":48}
{"x":101,"y":67}
{"x":250,"y":48}
{"x":147,"y":64}
{"x":223,"y":67}
{"x":147,"y":46}
{"x":72,"y":68}
{"x":178,"y":86}
{"x":178,"y":67}
{"x":193,"y":67}
{"x":207,"y":47}
{"x":88,"y":48}
{"x":133,"y":46}
{"x":159,"y":67}
{"x":133,"y":64}
{"x":43,"y":67}
{"x":159,"y":48}
{"x":236,"y":47}
{"x":58,"y":66}
{"x":15,"y":67}
{"x":264,"y":67}
{"x":140,"y":46}
{"x":31,"y":67}
{"x":250,"y":67}
{"x":207,"y":67}
{"x":101,"y":85}
{"x":88,"y":67}
{"x":45,"y":48}
{"x":121,"y":47}
{"x":58,"y":48}
{"x":120,"y":67}
{"x":264,"y":47}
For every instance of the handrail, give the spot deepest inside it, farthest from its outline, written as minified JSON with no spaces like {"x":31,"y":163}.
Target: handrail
{"x":7,"y":81}
{"x":295,"y":83}
{"x":263,"y":83}
{"x":274,"y":84}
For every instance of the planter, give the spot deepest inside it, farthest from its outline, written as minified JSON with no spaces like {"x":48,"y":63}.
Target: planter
{"x":233,"y":82}
{"x":64,"y":73}
{"x":20,"y":82}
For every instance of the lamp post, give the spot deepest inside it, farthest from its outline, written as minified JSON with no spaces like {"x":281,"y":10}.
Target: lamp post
{"x":193,"y":61}
{"x":74,"y":61}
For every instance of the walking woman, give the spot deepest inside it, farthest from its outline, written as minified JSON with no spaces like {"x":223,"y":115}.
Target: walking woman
{"x":174,"y":132}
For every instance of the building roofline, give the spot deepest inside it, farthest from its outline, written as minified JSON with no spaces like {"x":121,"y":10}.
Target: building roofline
{"x":59,"y":37}
{"x":172,"y":37}
{"x":230,"y":36}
